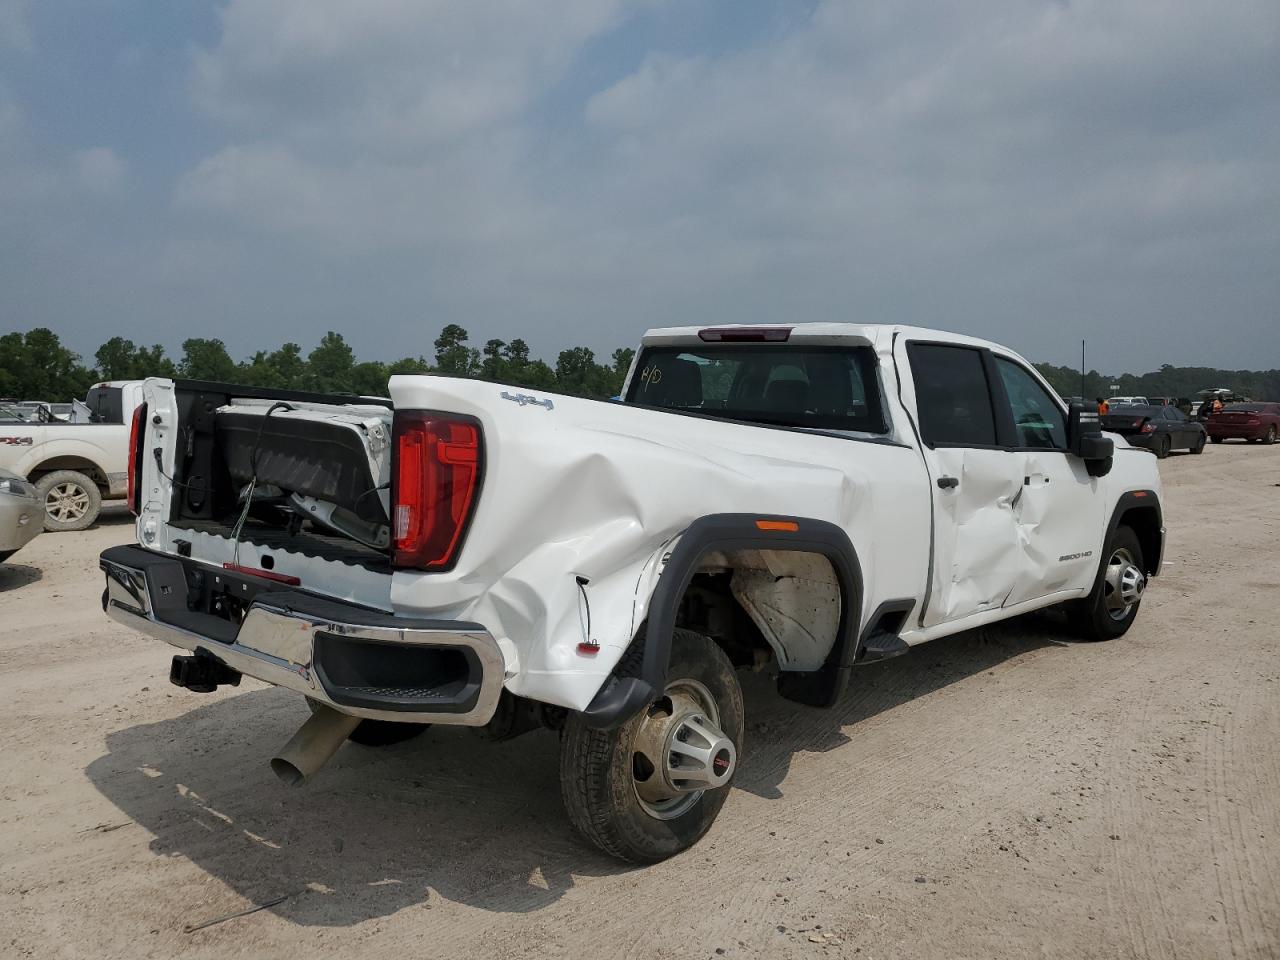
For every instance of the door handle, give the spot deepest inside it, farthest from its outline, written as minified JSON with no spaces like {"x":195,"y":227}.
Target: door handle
{"x":947,"y":483}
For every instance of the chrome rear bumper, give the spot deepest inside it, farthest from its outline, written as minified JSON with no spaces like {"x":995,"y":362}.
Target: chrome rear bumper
{"x":357,"y":661}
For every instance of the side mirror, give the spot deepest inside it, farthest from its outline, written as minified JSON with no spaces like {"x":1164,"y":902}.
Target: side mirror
{"x":1085,"y":439}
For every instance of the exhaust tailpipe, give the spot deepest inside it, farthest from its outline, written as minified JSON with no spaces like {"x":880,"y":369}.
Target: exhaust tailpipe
{"x":313,"y":745}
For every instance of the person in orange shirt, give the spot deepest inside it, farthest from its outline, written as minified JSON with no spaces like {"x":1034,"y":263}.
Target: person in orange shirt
{"x":1103,"y":407}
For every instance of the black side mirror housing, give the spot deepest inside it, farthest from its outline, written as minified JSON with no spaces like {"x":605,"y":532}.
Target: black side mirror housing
{"x":1085,"y":439}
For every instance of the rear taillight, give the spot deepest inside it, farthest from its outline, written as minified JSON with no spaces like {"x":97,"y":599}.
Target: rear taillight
{"x":135,"y":458}
{"x":436,"y":471}
{"x":1148,"y":427}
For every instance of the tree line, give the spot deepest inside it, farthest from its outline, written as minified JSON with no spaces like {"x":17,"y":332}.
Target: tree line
{"x":36,"y":365}
{"x":1168,"y":381}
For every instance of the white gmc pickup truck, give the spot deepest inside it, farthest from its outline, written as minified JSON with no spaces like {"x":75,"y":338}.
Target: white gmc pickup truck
{"x":797,"y":498}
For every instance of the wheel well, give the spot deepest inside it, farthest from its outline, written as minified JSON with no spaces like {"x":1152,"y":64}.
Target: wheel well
{"x":710,"y":608}
{"x":79,"y":464}
{"x":1145,"y":523}
{"x":762,"y":605}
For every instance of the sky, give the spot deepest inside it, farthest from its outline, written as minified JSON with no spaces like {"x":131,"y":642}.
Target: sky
{"x":575,"y":172}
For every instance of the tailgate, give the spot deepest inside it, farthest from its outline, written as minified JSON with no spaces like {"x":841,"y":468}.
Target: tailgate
{"x":291,"y":486}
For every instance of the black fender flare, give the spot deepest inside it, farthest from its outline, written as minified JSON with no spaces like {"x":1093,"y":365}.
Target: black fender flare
{"x":1145,"y":500}
{"x":621,"y":698}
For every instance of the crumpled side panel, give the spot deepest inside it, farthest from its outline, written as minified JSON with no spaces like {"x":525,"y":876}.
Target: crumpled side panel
{"x":601,"y":491}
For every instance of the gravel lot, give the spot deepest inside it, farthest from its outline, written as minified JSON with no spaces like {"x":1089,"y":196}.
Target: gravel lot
{"x":1003,"y":793}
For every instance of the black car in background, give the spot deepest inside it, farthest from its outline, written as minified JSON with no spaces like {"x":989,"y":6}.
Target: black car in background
{"x":1159,"y":429}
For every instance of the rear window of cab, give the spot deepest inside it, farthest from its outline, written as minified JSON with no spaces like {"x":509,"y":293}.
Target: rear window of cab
{"x":824,"y":388}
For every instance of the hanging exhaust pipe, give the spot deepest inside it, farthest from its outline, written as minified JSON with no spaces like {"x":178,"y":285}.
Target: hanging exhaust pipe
{"x":313,"y":745}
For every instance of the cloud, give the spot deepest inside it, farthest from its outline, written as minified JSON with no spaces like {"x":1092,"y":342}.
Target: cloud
{"x":576,"y":172}
{"x":99,"y":170}
{"x":389,"y":77}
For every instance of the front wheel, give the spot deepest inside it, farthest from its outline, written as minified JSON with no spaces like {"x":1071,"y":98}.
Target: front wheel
{"x":1112,"y":606}
{"x":1217,"y":439}
{"x":653,"y":786}
{"x":1270,"y":438}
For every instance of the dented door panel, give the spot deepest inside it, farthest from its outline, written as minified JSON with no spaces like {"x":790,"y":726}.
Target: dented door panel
{"x":977,"y":552}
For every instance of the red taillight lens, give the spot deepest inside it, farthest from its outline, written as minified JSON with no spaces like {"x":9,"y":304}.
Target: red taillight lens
{"x":135,"y":458}
{"x":438,"y":464}
{"x":1148,"y":427}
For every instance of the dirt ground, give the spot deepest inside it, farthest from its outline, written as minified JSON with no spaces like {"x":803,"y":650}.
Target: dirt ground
{"x":1003,"y":793}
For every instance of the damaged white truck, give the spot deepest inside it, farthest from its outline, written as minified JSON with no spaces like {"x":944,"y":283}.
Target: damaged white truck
{"x":801,"y":499}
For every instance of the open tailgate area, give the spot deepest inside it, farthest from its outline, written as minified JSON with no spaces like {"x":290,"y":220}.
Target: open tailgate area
{"x":285,"y":470}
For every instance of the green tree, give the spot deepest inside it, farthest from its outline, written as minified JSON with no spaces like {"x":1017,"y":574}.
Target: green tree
{"x":578,"y":374}
{"x":283,"y":369}
{"x":207,"y":360}
{"x":407,"y":366}
{"x":13,"y":364}
{"x":622,"y":358}
{"x":36,"y":366}
{"x":369,"y":379}
{"x":331,"y":364}
{"x":493,"y":365}
{"x":120,"y":359}
{"x":453,"y":357}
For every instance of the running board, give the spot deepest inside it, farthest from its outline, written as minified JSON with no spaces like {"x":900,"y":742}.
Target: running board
{"x":882,"y":645}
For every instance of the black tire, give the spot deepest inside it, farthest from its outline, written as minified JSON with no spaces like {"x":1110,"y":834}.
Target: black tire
{"x":1270,"y":438}
{"x":1162,"y":447}
{"x":1090,"y":617}
{"x":380,"y":733}
{"x":6,"y":554}
{"x":1199,"y":447}
{"x":71,"y":500}
{"x":598,"y":768}
{"x":1217,"y":439}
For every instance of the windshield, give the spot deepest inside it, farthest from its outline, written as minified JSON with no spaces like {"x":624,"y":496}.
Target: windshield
{"x":832,"y":388}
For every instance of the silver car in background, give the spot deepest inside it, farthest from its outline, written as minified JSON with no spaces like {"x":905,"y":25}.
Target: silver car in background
{"x":21,"y":514}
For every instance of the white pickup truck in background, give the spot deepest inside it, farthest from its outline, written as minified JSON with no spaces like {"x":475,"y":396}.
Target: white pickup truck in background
{"x":801,"y":499}
{"x":75,"y":466}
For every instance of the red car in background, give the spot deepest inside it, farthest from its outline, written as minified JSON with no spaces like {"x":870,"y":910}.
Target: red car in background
{"x":1245,"y":421}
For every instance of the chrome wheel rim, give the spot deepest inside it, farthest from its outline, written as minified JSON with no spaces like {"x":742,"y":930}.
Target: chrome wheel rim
{"x":1123,"y":584}
{"x":67,"y":502}
{"x":679,"y":751}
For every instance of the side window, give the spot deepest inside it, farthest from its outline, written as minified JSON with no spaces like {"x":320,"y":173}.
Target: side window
{"x":1039,"y":421}
{"x":953,"y":397}
{"x":1173,"y":413}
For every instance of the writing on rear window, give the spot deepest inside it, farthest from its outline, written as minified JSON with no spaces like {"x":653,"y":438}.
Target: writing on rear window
{"x":818,"y":387}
